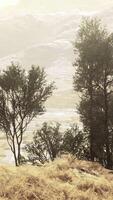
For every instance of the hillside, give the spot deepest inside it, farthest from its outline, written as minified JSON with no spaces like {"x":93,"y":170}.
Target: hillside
{"x":44,"y":40}
{"x":65,"y":178}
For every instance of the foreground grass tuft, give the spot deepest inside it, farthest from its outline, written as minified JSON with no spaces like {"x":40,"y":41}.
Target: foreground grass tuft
{"x":65,"y":178}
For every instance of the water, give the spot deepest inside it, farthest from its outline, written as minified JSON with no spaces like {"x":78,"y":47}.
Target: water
{"x":63,"y":116}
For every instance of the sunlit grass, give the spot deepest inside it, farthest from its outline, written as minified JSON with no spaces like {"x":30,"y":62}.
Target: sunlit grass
{"x":65,"y":178}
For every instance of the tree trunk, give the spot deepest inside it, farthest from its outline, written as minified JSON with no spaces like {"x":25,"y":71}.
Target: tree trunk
{"x":109,"y":161}
{"x":15,"y":159}
{"x":108,"y":154}
{"x":14,"y":153}
{"x":19,"y":154}
{"x":91,"y":119}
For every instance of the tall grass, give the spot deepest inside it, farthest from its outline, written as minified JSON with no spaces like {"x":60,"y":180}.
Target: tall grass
{"x":65,"y":178}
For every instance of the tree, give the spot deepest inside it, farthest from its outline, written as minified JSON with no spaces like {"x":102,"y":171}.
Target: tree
{"x":94,"y":79}
{"x":76,"y":142}
{"x":49,"y":142}
{"x":105,"y":89}
{"x":22,"y":98}
{"x":88,"y":42}
{"x":98,"y":137}
{"x":46,"y":144}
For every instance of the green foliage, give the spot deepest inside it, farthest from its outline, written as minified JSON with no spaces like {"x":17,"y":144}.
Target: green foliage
{"x":76,"y":142}
{"x":46,"y":144}
{"x":94,"y":79}
{"x":89,"y":46}
{"x":22,"y":97}
{"x":49,"y":142}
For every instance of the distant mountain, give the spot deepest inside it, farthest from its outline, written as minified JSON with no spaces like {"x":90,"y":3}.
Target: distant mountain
{"x":107,"y":18}
{"x":45,"y":40}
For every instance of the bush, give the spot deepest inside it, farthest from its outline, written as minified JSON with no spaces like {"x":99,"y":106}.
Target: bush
{"x":46,"y":144}
{"x":49,"y":142}
{"x":76,"y":142}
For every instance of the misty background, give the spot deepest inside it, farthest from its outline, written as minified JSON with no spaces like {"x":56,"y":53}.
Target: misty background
{"x":41,"y":32}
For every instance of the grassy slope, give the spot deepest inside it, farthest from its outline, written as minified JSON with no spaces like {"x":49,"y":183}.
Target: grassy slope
{"x":65,"y":178}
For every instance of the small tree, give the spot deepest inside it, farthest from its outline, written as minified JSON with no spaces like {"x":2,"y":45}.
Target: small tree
{"x":46,"y":144}
{"x":49,"y":142}
{"x":22,"y":98}
{"x":76,"y":142}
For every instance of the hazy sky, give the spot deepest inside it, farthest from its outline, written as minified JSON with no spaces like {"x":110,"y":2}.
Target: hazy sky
{"x":8,"y":2}
{"x":58,"y":5}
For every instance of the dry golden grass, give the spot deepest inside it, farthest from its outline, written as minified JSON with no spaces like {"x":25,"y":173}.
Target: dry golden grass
{"x":64,"y":179}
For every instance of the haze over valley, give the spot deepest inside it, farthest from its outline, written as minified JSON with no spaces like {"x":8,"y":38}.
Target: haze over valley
{"x":42,"y":35}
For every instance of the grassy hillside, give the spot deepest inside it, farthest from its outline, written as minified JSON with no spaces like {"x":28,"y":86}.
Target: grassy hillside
{"x":65,"y":178}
